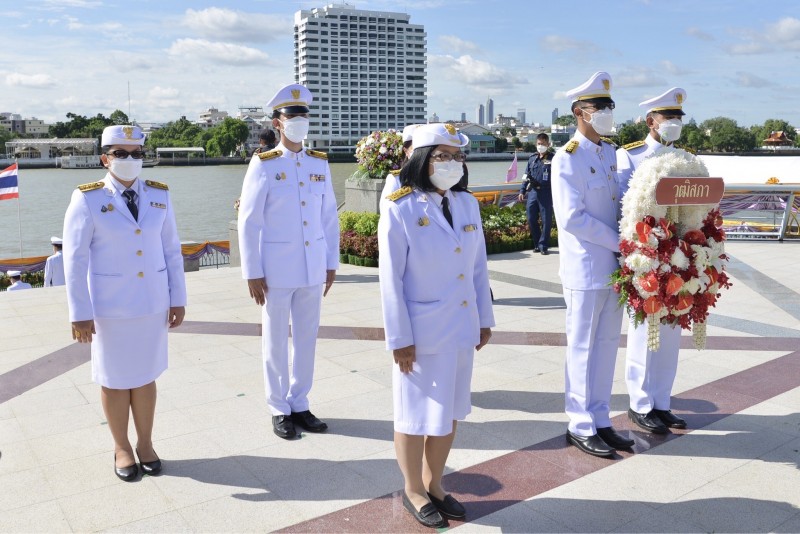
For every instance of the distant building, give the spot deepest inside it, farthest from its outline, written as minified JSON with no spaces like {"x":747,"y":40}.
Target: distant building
{"x":472,"y":128}
{"x":502,"y":120}
{"x":489,"y":111}
{"x":777,"y":141}
{"x":434,"y":118}
{"x":463,"y":117}
{"x":521,"y":116}
{"x":480,"y":117}
{"x":14,"y":123}
{"x":256,"y":119}
{"x":366,"y":69}
{"x":211,"y":117}
{"x":554,"y":116}
{"x":481,"y":144}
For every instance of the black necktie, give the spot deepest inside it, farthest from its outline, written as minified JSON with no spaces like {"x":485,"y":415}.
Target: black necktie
{"x":130,"y":199}
{"x":446,"y":211}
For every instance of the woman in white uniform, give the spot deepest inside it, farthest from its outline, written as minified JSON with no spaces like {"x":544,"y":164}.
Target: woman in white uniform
{"x":437,"y":311}
{"x":125,"y":288}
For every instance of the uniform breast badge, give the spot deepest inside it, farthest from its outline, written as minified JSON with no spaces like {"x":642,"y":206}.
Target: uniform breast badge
{"x":423,"y":221}
{"x":280,"y":176}
{"x":110,"y":207}
{"x":591,"y":169}
{"x":470,"y":227}
{"x":317,"y":177}
{"x":158,"y":205}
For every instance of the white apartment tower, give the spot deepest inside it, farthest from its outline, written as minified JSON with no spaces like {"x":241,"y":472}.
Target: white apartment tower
{"x":366,"y":69}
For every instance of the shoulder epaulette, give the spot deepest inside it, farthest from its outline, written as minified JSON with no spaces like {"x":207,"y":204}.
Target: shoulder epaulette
{"x":91,"y":186}
{"x":687,"y":149}
{"x":270,"y":155}
{"x":635,"y":144}
{"x":609,"y":141}
{"x":316,"y":154}
{"x":395,"y":172}
{"x":400,"y":193}
{"x":157,"y":185}
{"x":571,"y":146}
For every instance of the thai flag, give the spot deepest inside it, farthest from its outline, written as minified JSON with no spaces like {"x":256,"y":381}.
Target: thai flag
{"x":511,"y":173}
{"x":8,"y":183}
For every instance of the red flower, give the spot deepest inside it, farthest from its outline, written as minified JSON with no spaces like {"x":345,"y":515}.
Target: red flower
{"x":643,"y":231}
{"x":652,"y":305}
{"x":649,"y":282}
{"x":712,"y":274}
{"x":695,"y":237}
{"x":674,"y":284}
{"x":684,"y":302}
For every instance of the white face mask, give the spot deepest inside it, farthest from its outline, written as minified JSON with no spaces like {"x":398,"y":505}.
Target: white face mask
{"x":602,"y":121}
{"x":670,"y":130}
{"x":446,"y":174}
{"x":126,"y":169}
{"x":541,"y":149}
{"x":295,"y":129}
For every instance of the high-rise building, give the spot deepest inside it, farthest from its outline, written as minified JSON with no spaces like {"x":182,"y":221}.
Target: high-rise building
{"x":521,"y":115}
{"x":479,"y":115}
{"x":554,"y":116}
{"x":366,"y":69}
{"x":489,"y":111}
{"x":434,"y":118}
{"x":463,"y":117}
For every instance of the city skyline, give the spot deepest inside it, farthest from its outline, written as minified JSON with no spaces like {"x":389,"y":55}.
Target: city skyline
{"x":184,"y":57}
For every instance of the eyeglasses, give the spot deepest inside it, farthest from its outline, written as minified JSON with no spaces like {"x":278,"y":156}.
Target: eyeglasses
{"x":599,"y":107}
{"x":122,"y":154}
{"x":444,"y":157}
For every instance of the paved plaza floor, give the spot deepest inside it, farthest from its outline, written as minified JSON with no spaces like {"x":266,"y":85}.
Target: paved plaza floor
{"x":734,"y":470}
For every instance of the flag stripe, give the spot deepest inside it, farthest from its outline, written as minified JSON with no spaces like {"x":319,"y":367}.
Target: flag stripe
{"x":9,"y":171}
{"x":7,"y":196}
{"x":8,"y":181}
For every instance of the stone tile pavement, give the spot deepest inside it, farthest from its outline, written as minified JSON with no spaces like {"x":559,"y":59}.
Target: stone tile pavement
{"x":735,"y":470}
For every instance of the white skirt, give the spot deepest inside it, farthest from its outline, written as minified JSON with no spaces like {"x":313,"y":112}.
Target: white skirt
{"x":129,"y":353}
{"x":434,"y":394}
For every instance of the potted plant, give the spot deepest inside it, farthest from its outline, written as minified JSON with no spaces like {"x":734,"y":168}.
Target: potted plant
{"x":376,"y":154}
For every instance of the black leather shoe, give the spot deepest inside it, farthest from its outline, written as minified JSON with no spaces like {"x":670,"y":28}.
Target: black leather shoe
{"x":428,"y":516}
{"x":283,"y":426}
{"x":648,"y":421}
{"x":544,"y":251}
{"x":670,"y":419}
{"x":590,"y":445}
{"x":449,"y":507}
{"x":128,"y":474}
{"x":149,"y":468}
{"x":613,"y":439}
{"x":307,"y":421}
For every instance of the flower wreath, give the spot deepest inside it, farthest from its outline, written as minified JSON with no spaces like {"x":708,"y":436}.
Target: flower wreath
{"x":672,"y":263}
{"x":379,"y":152}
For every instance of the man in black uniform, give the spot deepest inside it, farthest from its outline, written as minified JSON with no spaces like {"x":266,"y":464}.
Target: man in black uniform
{"x":536,"y":186}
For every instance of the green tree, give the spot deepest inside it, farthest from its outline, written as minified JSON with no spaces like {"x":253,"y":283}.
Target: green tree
{"x":629,"y":133}
{"x":566,"y":120}
{"x":227,"y":136}
{"x":179,"y":133}
{"x":693,"y":138}
{"x":118,"y":117}
{"x":500,"y":144}
{"x":507,"y":131}
{"x":725,"y":135}
{"x":516,"y":142}
{"x":773,"y":125}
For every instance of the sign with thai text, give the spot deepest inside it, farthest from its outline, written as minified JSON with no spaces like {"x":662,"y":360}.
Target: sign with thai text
{"x":682,"y":191}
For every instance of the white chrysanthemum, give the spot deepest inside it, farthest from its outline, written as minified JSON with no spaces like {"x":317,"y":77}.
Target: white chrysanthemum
{"x":369,"y":141}
{"x":701,"y":260}
{"x":639,"y":263}
{"x":679,"y":259}
{"x":665,"y":268}
{"x":692,"y":285}
{"x":382,"y":150}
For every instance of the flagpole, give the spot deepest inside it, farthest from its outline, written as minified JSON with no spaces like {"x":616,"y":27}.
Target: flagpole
{"x":19,"y":215}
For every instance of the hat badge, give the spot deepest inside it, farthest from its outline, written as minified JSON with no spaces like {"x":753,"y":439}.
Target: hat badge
{"x":679,"y":98}
{"x":296,"y":93}
{"x":450,"y":129}
{"x":128,"y":130}
{"x":606,"y":85}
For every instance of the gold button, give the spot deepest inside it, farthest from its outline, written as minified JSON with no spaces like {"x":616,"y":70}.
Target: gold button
{"x":458,"y":250}
{"x":460,"y":276}
{"x":305,"y":223}
{"x":138,"y":231}
{"x":464,"y":303}
{"x":303,"y":203}
{"x":140,"y":275}
{"x":306,"y":243}
{"x":302,"y":184}
{"x":138,"y":252}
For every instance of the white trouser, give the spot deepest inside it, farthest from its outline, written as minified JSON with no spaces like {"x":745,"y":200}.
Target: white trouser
{"x":650,"y":375}
{"x":594,"y":321}
{"x":287,"y":390}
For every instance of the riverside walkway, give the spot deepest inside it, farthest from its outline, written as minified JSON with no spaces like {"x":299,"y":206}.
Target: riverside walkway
{"x":736,"y":469}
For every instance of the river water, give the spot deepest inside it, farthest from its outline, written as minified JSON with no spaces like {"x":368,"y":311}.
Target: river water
{"x":202,"y":196}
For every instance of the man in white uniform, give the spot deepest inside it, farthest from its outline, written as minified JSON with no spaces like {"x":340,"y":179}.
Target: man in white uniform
{"x":54,"y":266}
{"x":651,"y":374}
{"x":16,"y":281}
{"x":289,"y":242}
{"x":586,"y":202}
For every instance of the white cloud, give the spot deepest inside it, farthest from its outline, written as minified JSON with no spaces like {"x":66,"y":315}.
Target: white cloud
{"x":699,"y":34}
{"x":473,"y":71}
{"x":35,"y":81}
{"x":781,"y":35}
{"x":163,"y":92}
{"x":62,"y":5}
{"x":746,"y":79}
{"x":238,"y":26}
{"x":674,"y":69}
{"x":559,"y":43}
{"x":456,"y":45}
{"x":216,"y":52}
{"x":638,"y":77}
{"x":74,"y":24}
{"x":785,"y":32}
{"x":748,"y":48}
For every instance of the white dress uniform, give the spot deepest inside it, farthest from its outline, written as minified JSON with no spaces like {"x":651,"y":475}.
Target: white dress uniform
{"x":435,"y":295}
{"x":125,"y":274}
{"x":54,"y":266}
{"x":649,"y":374}
{"x":19,"y":284}
{"x":586,"y":203}
{"x":289,"y":235}
{"x":392,"y":184}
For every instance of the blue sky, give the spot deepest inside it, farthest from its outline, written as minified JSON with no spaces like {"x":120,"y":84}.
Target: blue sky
{"x":735,"y":58}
